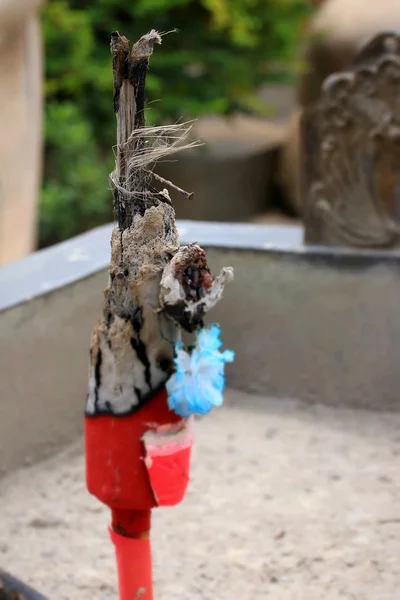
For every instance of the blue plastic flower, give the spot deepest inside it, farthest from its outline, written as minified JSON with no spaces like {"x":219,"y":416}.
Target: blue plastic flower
{"x":199,"y":380}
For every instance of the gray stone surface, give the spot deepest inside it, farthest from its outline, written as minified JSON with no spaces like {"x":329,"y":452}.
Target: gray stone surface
{"x":314,"y":327}
{"x":287,"y":501}
{"x":314,"y":324}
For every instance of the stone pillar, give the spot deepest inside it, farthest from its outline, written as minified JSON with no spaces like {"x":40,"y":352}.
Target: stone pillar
{"x":21,"y":110}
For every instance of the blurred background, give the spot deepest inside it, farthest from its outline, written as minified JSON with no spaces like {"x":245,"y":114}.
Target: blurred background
{"x":243,"y":68}
{"x":217,"y":63}
{"x":314,"y":327}
{"x":56,"y":101}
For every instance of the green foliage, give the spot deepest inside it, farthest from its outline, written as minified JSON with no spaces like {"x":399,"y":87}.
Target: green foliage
{"x":223,"y":51}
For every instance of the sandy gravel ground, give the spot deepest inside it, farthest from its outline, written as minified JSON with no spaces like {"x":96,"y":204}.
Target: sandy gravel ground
{"x":287,"y":502}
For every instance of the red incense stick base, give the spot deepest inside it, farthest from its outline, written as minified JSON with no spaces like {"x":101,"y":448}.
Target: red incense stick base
{"x":134,"y":463}
{"x":140,"y":460}
{"x":134,"y":567}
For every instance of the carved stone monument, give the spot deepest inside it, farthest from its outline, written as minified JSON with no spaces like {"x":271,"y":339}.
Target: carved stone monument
{"x":351,"y":152}
{"x":334,"y":35}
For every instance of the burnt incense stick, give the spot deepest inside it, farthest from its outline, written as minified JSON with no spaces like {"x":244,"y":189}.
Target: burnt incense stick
{"x":137,"y":436}
{"x":133,"y":346}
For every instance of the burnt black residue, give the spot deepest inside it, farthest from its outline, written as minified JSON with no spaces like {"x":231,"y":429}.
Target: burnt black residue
{"x":192,"y":283}
{"x":165,"y":364}
{"x":143,"y":398}
{"x":110,"y":318}
{"x":120,"y":53}
{"x":137,"y":320}
{"x":197,"y":318}
{"x":189,"y":321}
{"x":167,"y":229}
{"x":139,"y":347}
{"x":137,"y":70}
{"x":195,"y":277}
{"x":128,"y":204}
{"x":120,"y":209}
{"x":97,"y":376}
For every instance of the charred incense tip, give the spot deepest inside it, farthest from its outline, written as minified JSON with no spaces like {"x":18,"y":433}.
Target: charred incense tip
{"x":139,"y":146}
{"x":188,"y":289}
{"x":119,"y":44}
{"x":119,"y":47}
{"x":125,"y":63}
{"x":130,"y":184}
{"x":144,"y":47}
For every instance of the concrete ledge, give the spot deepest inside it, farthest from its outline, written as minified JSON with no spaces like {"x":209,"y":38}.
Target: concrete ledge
{"x":317,"y":324}
{"x":71,"y":261}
